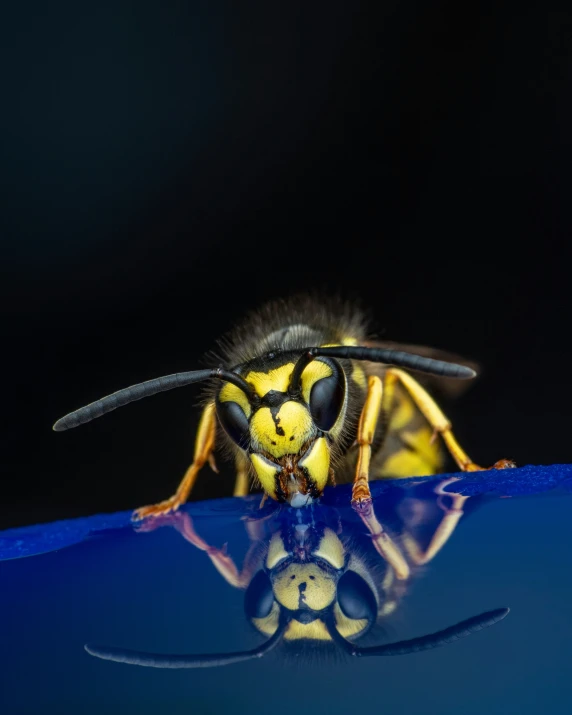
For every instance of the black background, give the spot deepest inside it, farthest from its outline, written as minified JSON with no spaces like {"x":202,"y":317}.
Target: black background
{"x":168,"y":166}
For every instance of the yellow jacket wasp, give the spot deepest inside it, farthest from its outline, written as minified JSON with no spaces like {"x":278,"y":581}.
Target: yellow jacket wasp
{"x":313,"y":578}
{"x":304,"y":398}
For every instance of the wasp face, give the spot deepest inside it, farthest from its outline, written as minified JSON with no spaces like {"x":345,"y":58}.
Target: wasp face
{"x":287,"y":434}
{"x":307,"y":579}
{"x":304,"y":587}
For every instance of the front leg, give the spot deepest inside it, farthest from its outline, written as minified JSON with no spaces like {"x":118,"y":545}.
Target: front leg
{"x":182,"y":522}
{"x":383,"y":543}
{"x":204,"y":445}
{"x":361,"y":495}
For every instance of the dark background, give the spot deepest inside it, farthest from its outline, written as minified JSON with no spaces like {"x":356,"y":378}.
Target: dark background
{"x":167,"y":166}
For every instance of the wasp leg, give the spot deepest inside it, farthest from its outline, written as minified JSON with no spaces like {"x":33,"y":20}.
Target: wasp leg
{"x":383,"y":543}
{"x":438,"y":421}
{"x":445,"y":529}
{"x":389,"y":551}
{"x":203,"y":453}
{"x":242,"y":483}
{"x":361,"y":495}
{"x":224,"y":564}
{"x":219,"y":557}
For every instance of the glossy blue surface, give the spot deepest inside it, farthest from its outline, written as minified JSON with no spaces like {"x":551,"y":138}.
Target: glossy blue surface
{"x":98,"y":580}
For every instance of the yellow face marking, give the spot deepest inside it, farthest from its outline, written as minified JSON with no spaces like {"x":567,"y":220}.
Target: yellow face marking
{"x":330,"y":549}
{"x":231,"y":393}
{"x":266,"y":472}
{"x":277,"y":379}
{"x":292,"y":428}
{"x":348,"y":626}
{"x":276,"y":551}
{"x":317,"y":592}
{"x":313,"y":372}
{"x":269,"y":623}
{"x":317,"y":462}
{"x":316,"y":631}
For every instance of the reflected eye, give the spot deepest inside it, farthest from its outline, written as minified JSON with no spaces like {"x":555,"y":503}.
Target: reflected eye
{"x":233,"y":421}
{"x":327,"y":398}
{"x":259,"y":597}
{"x":355,"y":597}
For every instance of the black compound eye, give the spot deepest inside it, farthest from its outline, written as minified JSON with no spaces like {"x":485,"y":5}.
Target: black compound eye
{"x":234,"y":422}
{"x":327,"y":398}
{"x":355,"y":597}
{"x":259,"y":596}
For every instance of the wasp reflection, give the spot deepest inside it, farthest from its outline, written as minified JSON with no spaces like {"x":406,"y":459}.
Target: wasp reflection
{"x":327,"y":575}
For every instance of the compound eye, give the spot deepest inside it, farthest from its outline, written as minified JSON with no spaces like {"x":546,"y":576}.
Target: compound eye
{"x":327,"y":399}
{"x":234,"y":422}
{"x":355,"y":597}
{"x":259,"y":598}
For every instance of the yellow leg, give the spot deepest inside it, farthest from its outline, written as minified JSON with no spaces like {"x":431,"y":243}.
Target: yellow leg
{"x":224,"y":564}
{"x":219,"y":557}
{"x":392,"y":553}
{"x":383,"y":543}
{"x":366,"y":430}
{"x":242,"y":483}
{"x":438,"y":421}
{"x":447,"y":525}
{"x":204,"y":445}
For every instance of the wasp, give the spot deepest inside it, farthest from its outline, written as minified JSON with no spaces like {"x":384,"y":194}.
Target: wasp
{"x":313,"y":577}
{"x":301,"y":397}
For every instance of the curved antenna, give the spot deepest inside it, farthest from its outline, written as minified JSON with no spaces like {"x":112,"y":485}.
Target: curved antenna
{"x":399,"y":358}
{"x":146,"y":389}
{"x":415,"y":645}
{"x":209,"y":660}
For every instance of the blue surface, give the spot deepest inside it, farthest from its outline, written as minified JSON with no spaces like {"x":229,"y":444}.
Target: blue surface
{"x":40,"y":539}
{"x":98,"y":580}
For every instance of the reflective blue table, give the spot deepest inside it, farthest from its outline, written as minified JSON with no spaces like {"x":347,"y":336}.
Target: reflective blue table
{"x":274,"y":608}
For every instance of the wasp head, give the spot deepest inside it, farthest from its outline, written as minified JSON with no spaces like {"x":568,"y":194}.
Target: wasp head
{"x":306,"y":582}
{"x":287,"y":425}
